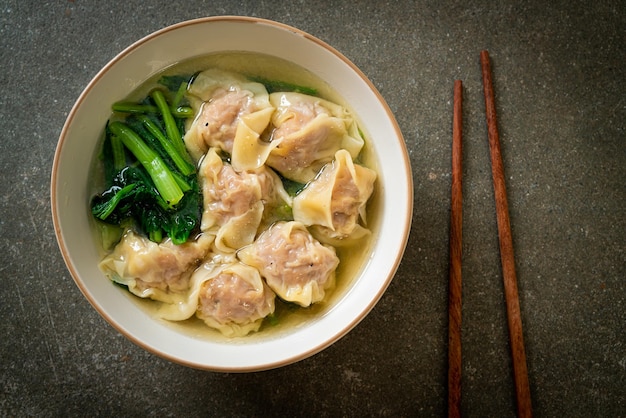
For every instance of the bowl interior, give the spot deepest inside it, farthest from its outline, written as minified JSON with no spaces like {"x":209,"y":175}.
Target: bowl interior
{"x":149,"y":56}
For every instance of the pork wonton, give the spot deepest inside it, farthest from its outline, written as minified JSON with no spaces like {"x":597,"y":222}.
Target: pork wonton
{"x":223,"y":102}
{"x":335,"y":201}
{"x":235,"y":202}
{"x":307,"y":131}
{"x":230,"y":297}
{"x":294,"y":264}
{"x":157,"y":271}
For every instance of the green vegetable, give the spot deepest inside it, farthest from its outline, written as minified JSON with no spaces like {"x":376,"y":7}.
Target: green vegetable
{"x":291,"y":187}
{"x":173,"y":82}
{"x":273,"y":86}
{"x":171,"y":127}
{"x":159,"y":172}
{"x":183,"y":165}
{"x":272,"y":320}
{"x":180,"y":94}
{"x":105,"y":208}
{"x":119,"y":158}
{"x":129,"y":107}
{"x":149,"y":178}
{"x":135,"y":122}
{"x":134,"y":196}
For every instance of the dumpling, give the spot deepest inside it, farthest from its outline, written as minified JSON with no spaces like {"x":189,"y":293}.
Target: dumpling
{"x":307,"y":132}
{"x":235,"y":300}
{"x":232,"y":298}
{"x":336,"y":199}
{"x":235,"y":202}
{"x":294,"y":264}
{"x":157,"y":271}
{"x":224,"y":101}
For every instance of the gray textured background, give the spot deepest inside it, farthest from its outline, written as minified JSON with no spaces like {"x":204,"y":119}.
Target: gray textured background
{"x":560,"y":82}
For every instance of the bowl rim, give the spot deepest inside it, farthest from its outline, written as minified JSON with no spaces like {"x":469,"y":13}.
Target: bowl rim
{"x":405,"y":228}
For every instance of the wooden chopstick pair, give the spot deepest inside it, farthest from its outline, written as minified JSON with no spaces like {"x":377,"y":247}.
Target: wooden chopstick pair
{"x":516,"y":340}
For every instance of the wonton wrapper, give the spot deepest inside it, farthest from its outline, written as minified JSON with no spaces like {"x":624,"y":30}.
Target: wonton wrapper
{"x":336,"y":199}
{"x":227,"y":106}
{"x":249,"y":150}
{"x":307,"y":133}
{"x":156,"y":271}
{"x":294,"y":264}
{"x":235,"y":203}
{"x":231,"y":298}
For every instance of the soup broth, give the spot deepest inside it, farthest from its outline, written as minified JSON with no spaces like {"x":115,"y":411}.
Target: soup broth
{"x":353,"y":259}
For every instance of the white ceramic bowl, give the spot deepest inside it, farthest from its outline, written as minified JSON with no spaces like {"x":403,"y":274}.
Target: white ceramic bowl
{"x":79,"y":140}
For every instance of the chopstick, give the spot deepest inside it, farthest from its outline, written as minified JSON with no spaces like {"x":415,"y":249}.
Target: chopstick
{"x":518,"y":353}
{"x":456,"y":240}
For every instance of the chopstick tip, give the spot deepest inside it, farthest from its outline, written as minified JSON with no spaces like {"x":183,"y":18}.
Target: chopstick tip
{"x":484,"y":55}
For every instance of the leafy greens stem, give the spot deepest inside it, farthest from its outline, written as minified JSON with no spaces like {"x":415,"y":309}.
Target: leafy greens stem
{"x":179,"y":95}
{"x":130,"y":107}
{"x":119,"y":157}
{"x":170,"y":124}
{"x":136,"y":108}
{"x":162,"y":177}
{"x":156,"y":235}
{"x":182,"y":164}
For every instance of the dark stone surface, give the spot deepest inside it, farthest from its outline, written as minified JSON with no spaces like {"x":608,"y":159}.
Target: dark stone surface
{"x":560,"y":82}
